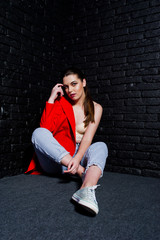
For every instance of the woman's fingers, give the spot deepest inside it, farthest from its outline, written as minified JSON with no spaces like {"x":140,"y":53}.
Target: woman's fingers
{"x":70,"y":164}
{"x":70,"y":171}
{"x":56,"y":91}
{"x":58,"y":85}
{"x":71,"y":168}
{"x":61,"y":92}
{"x":59,"y":88}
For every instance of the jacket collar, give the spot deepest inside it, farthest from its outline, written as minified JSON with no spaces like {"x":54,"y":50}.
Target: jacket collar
{"x":68,"y":109}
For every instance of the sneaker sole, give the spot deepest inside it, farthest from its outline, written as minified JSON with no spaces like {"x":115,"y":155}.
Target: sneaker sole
{"x":87,"y":206}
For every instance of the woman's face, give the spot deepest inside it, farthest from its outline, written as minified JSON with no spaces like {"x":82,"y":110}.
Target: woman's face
{"x":74,"y":87}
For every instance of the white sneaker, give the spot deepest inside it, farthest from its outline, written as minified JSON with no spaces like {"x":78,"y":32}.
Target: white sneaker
{"x":86,"y":198}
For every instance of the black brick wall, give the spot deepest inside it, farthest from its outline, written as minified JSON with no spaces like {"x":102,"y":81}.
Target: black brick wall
{"x":116,"y":42}
{"x":30,"y":61}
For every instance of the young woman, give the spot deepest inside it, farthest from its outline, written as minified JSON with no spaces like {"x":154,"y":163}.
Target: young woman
{"x":63,"y":142}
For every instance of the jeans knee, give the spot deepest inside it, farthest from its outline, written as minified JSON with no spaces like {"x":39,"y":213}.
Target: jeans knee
{"x":97,"y":155}
{"x":105,"y":148}
{"x":35,"y":134}
{"x":101,"y":147}
{"x":38,"y":133}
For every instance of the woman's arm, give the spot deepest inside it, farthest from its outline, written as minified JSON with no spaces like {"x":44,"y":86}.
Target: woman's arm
{"x":86,"y":140}
{"x":90,"y":132}
{"x":56,"y":90}
{"x":48,"y":119}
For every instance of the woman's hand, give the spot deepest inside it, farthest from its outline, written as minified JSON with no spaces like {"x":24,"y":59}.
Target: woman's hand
{"x":73,"y":166}
{"x":55,"y":91}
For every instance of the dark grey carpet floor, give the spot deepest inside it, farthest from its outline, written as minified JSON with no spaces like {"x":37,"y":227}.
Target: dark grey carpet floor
{"x":39,"y":207}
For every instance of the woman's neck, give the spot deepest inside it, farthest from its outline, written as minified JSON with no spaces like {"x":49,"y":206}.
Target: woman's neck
{"x":79,"y":102}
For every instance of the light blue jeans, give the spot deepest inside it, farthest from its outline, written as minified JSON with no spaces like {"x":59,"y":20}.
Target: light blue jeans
{"x":50,"y":153}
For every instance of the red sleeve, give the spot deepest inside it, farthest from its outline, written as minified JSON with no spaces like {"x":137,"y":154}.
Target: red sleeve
{"x":50,"y":116}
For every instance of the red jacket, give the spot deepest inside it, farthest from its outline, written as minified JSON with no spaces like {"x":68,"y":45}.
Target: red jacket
{"x":59,"y":119}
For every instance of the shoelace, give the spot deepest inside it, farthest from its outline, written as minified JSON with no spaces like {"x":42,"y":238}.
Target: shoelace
{"x":91,"y":192}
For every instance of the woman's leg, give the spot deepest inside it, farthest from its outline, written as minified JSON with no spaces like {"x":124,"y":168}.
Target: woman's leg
{"x":92,"y":176}
{"x":95,"y":160}
{"x":48,"y":151}
{"x":52,"y":157}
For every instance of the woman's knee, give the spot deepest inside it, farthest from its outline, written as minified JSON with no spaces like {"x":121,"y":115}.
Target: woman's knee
{"x":38,"y":133}
{"x":100,"y":147}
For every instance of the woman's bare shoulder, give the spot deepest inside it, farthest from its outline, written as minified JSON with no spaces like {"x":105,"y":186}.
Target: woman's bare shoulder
{"x":97,"y":106}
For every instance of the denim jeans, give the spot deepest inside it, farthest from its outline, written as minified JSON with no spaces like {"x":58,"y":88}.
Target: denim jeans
{"x":50,"y":153}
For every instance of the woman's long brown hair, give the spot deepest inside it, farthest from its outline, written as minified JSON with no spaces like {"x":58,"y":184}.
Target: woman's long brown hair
{"x":88,"y":102}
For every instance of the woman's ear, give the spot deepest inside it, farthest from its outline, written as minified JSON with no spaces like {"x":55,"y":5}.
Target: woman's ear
{"x":84,"y":82}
